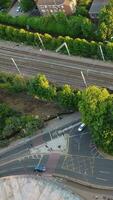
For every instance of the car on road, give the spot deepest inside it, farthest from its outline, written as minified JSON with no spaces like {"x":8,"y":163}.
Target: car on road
{"x":18,"y":9}
{"x":40,"y":168}
{"x":81,"y":127}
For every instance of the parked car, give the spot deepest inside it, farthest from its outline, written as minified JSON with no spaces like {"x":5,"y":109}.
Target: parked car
{"x":40,"y":168}
{"x":81,"y":127}
{"x":18,"y":9}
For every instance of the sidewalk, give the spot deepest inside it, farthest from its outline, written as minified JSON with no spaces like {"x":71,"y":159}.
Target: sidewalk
{"x":59,"y":123}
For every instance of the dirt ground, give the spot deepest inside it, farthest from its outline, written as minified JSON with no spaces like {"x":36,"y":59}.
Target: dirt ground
{"x":27,"y":104}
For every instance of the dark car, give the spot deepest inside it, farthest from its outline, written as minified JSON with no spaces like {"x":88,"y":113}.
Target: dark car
{"x":40,"y":168}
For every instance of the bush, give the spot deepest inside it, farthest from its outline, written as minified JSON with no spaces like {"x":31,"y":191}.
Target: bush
{"x":19,"y":83}
{"x":39,"y":86}
{"x":13,"y":123}
{"x":65,"y":97}
{"x":11,"y":82}
{"x":57,"y":24}
{"x":30,"y":125}
{"x":4,"y":143}
{"x":81,"y":10}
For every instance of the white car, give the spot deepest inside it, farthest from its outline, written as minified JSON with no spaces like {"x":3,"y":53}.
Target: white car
{"x":81,"y":127}
{"x":18,"y":9}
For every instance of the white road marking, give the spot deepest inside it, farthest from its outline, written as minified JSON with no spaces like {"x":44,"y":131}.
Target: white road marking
{"x":102,"y":179}
{"x":40,"y":160}
{"x":16,"y":168}
{"x":104,"y":172}
{"x":75,"y":135}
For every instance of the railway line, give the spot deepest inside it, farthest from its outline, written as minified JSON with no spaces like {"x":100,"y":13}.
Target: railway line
{"x":59,"y":69}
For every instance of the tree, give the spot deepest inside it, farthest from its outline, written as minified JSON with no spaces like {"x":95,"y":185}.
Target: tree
{"x":27,"y":5}
{"x":93,"y":106}
{"x":5,"y":3}
{"x":105,"y":28}
{"x":65,"y":97}
{"x":40,"y":87}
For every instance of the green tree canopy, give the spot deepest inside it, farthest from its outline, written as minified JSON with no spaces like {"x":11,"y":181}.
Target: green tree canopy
{"x":92,"y":105}
{"x":65,"y":97}
{"x":27,"y":5}
{"x":105,"y":27}
{"x":5,"y":3}
{"x":40,"y":87}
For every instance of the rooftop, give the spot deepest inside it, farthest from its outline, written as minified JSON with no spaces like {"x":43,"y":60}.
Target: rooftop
{"x":97,"y":5}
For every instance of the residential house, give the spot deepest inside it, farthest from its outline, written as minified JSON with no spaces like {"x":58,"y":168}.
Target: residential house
{"x":95,"y":8}
{"x":53,"y":6}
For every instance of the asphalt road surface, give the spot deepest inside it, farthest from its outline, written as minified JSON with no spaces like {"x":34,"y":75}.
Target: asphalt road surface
{"x":60,"y":69}
{"x":84,"y":163}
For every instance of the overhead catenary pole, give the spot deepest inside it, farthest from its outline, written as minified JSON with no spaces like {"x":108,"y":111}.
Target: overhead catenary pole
{"x":41,"y":41}
{"x":101,"y":51}
{"x":16,"y":66}
{"x":63,"y":45}
{"x":84,"y":80}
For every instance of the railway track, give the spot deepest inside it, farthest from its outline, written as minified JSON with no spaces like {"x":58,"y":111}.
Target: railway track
{"x":58,"y":69}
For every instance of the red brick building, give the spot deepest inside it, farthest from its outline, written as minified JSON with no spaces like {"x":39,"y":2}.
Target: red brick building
{"x":54,"y":6}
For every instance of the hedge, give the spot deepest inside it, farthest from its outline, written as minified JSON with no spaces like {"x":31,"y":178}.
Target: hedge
{"x":76,"y":46}
{"x":58,"y":24}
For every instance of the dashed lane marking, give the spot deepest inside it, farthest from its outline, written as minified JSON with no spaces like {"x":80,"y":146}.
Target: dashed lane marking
{"x":102,"y":179}
{"x":104,"y":172}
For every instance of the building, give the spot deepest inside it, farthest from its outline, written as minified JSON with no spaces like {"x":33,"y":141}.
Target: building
{"x":53,"y":6}
{"x":95,"y":8}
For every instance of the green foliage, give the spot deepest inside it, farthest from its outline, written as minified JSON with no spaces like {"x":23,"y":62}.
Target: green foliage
{"x":96,"y":106}
{"x":12,"y":127}
{"x":19,"y":83}
{"x":40,"y":87}
{"x":57,"y":24}
{"x":105,"y":27}
{"x":4,"y":143}
{"x":76,"y":46}
{"x":107,"y":142}
{"x":5,"y":3}
{"x":5,"y":112}
{"x":30,"y":124}
{"x":13,"y":124}
{"x":84,"y":2}
{"x":27,"y":5}
{"x":13,"y":82}
{"x":81,"y":10}
{"x":65,"y":97}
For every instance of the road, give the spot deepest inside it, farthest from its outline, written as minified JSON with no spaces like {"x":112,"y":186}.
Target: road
{"x":59,"y":69}
{"x":84,"y":163}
